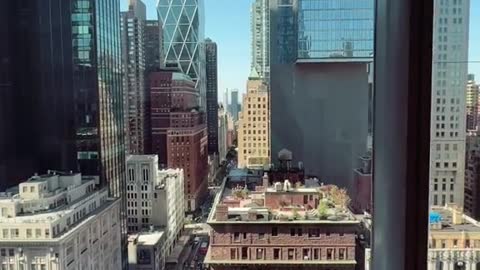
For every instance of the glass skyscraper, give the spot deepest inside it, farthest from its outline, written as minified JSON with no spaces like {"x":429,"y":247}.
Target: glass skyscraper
{"x":335,"y":28}
{"x":98,"y":91}
{"x":62,"y":98}
{"x":260,"y":31}
{"x":183,"y":35}
{"x":212,"y":95}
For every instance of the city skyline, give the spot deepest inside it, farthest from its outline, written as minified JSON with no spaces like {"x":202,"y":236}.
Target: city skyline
{"x":116,"y":151}
{"x":234,"y":68}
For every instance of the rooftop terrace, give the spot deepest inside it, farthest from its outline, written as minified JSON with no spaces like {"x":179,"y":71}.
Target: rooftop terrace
{"x":243,"y":200}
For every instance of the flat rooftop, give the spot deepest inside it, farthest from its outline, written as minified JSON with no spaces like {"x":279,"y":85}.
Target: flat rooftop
{"x":141,"y":157}
{"x":148,"y":238}
{"x":244,"y":201}
{"x":445,"y":215}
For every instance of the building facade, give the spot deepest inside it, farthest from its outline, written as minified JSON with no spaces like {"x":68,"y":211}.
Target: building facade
{"x":311,"y":74}
{"x":60,"y":221}
{"x":155,"y":199}
{"x":362,"y":200}
{"x":449,"y":79}
{"x":279,"y":227}
{"x":254,"y":125}
{"x":183,"y":36}
{"x":454,"y":240}
{"x":472,"y":178}
{"x":133,"y":45}
{"x":260,"y":31}
{"x":472,"y":103}
{"x":349,"y":24}
{"x":35,"y":87}
{"x":69,"y":100}
{"x":234,"y":107}
{"x":212,"y":96}
{"x":179,"y":132}
{"x":146,"y":251}
{"x":153,"y":46}
{"x":222,"y":133}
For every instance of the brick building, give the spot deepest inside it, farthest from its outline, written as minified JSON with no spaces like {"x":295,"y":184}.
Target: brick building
{"x":280,"y":227}
{"x":178,"y":131}
{"x":362,"y":182}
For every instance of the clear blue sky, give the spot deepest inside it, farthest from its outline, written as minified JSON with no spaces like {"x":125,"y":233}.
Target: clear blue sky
{"x":474,"y":46}
{"x":227,"y":22}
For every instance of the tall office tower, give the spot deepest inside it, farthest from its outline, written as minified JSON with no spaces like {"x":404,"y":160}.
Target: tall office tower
{"x":449,"y":79}
{"x":183,"y":34}
{"x":472,"y":103}
{"x":37,"y":129}
{"x":472,"y":176}
{"x":234,"y":105}
{"x":179,"y":132}
{"x":59,"y":221}
{"x":310,"y":78}
{"x":254,"y":125}
{"x":68,"y":101}
{"x":260,"y":30}
{"x":222,"y":133}
{"x":153,"y":46}
{"x":212,"y":95}
{"x":155,"y":198}
{"x":133,"y":37}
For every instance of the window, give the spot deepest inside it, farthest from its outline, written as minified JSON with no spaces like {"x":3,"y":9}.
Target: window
{"x":276,"y":254}
{"x":300,"y":232}
{"x":306,"y":254}
{"x":260,"y":252}
{"x":244,"y":253}
{"x":316,"y":253}
{"x":274,"y":231}
{"x":291,"y":254}
{"x":330,"y":253}
{"x":292,"y":231}
{"x":341,"y":254}
{"x":233,"y":253}
{"x":313,"y":232}
{"x":236,"y":237}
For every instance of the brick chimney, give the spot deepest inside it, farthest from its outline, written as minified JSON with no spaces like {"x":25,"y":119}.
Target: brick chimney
{"x":221,"y":212}
{"x":252,"y":215}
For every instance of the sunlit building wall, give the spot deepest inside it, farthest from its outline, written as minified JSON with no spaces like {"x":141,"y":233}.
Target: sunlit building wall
{"x":254,"y":125}
{"x":448,"y":118}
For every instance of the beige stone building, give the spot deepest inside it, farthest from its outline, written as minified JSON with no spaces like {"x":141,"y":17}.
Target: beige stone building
{"x":254,"y":125}
{"x":472,"y":103}
{"x":454,"y":241}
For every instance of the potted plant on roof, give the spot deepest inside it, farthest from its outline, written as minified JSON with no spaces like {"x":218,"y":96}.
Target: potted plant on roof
{"x":340,"y":198}
{"x":322,"y":210}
